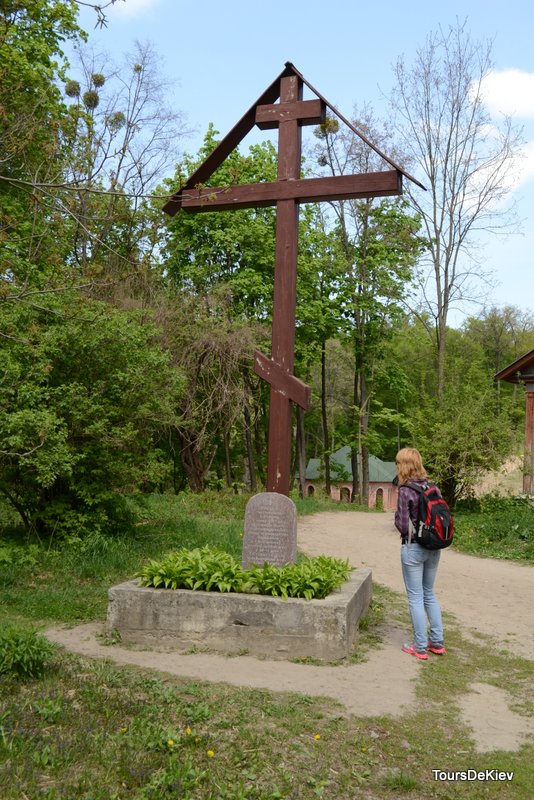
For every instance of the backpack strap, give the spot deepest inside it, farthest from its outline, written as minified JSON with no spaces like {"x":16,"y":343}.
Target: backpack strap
{"x":420,"y":491}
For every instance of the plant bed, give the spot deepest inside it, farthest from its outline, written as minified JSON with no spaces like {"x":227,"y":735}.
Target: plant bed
{"x":229,"y":622}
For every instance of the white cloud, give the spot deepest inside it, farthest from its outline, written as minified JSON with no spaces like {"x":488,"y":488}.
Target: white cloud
{"x":131,"y":8}
{"x":510,"y":92}
{"x":524,"y":170}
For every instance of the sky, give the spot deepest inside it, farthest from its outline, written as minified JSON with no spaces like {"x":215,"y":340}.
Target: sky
{"x":221,"y":56}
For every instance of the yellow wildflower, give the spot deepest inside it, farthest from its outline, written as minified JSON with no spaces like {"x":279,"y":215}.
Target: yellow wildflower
{"x":211,"y":753}
{"x":170,"y":742}
{"x":317,"y":737}
{"x":188,"y":730}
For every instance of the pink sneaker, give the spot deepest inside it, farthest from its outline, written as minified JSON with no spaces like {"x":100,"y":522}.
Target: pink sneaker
{"x":438,"y":649}
{"x":409,"y":648}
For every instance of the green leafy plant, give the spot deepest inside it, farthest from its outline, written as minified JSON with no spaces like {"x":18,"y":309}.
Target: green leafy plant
{"x":24,"y":654}
{"x":211,"y":569}
{"x":314,"y":578}
{"x":205,"y":568}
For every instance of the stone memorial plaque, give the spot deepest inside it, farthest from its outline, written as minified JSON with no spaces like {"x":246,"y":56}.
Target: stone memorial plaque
{"x":270,"y":530}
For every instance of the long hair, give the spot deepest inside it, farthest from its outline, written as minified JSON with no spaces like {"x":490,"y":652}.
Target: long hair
{"x":409,"y":465}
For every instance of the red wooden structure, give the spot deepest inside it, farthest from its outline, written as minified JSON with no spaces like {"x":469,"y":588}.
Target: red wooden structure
{"x":287,"y":192}
{"x":522,"y":371}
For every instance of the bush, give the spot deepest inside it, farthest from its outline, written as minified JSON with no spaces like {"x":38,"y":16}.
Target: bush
{"x":82,"y":407}
{"x":501,"y":527}
{"x":24,"y":654}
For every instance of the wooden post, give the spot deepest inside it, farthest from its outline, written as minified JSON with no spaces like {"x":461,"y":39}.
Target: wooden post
{"x":284,"y":297}
{"x":528,"y":475}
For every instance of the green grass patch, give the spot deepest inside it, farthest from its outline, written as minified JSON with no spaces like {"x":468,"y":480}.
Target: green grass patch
{"x":50,"y":581}
{"x":161,"y":737}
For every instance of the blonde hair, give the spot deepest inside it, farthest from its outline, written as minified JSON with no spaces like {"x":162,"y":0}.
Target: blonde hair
{"x":409,"y":465}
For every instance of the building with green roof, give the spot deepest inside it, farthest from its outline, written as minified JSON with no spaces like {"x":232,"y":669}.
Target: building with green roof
{"x":382,"y":493}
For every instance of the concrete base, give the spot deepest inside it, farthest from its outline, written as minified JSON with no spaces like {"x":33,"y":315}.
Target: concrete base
{"x":231,"y":623}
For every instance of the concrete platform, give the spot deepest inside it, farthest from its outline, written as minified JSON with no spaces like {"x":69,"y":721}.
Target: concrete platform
{"x":236,"y":623}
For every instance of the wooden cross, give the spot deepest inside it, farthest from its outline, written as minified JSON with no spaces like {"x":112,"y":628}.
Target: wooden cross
{"x":287,"y":192}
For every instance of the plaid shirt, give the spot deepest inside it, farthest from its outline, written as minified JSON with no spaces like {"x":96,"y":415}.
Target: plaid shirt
{"x":407,"y":508}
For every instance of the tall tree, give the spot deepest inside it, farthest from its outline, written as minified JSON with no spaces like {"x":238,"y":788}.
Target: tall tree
{"x":121,"y":139}
{"x":32,"y":65}
{"x":445,"y":132}
{"x":85,"y":393}
{"x":377,"y":246}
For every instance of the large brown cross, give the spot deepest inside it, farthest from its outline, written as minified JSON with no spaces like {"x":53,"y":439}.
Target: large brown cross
{"x":287,"y":192}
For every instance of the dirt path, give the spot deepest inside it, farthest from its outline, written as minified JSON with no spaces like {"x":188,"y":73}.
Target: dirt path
{"x":488,"y":597}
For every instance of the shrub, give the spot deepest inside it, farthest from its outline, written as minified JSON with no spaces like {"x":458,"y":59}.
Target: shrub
{"x":24,"y":654}
{"x":205,"y":568}
{"x":312,"y":578}
{"x":501,"y":527}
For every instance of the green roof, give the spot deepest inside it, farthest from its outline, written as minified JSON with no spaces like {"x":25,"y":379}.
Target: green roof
{"x":341,"y":470}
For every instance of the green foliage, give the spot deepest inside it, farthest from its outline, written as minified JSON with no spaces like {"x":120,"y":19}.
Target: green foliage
{"x":498,"y":527}
{"x":457,"y":436}
{"x":86,"y":393}
{"x":312,"y":579}
{"x":23,"y":653}
{"x":210,"y":569}
{"x":206,"y":569}
{"x":235,"y":248}
{"x":31,"y":116}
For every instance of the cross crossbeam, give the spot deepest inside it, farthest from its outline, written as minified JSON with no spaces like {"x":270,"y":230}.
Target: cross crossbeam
{"x":307,"y":190}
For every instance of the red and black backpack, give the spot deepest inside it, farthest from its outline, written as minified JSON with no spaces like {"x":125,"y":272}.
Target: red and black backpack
{"x":435,"y":527}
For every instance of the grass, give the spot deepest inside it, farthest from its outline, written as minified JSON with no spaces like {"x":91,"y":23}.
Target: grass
{"x":94,"y":731}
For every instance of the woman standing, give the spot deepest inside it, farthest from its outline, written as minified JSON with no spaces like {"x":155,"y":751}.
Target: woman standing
{"x":419,"y":565}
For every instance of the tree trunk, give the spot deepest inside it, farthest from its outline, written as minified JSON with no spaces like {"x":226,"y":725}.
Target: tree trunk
{"x":324,"y":419}
{"x":354,"y":453}
{"x":19,"y":508}
{"x":249,"y":449}
{"x":442,"y":339}
{"x":301,"y":451}
{"x":364,"y":426}
{"x":194,"y":468}
{"x":227,"y":460}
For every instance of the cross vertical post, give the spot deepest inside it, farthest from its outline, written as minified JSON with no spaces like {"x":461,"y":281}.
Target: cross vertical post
{"x":284,"y":297}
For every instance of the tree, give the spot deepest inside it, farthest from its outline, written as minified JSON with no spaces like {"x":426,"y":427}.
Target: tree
{"x":377,"y":247}
{"x":32,"y":66}
{"x":120,"y":139}
{"x":85,"y":394}
{"x":445,"y":132}
{"x":221,"y":266}
{"x":235,"y":248}
{"x":213,"y":351}
{"x":459,"y":436}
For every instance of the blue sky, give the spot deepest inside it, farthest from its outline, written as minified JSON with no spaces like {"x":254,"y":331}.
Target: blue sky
{"x":222,"y":55}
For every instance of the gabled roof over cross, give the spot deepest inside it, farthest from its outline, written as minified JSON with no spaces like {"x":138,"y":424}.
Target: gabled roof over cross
{"x":192,"y":198}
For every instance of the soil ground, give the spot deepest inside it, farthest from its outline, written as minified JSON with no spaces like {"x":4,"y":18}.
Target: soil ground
{"x":491,"y":599}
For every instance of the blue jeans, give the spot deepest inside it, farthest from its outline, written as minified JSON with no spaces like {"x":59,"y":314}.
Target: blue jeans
{"x":419,"y":568}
